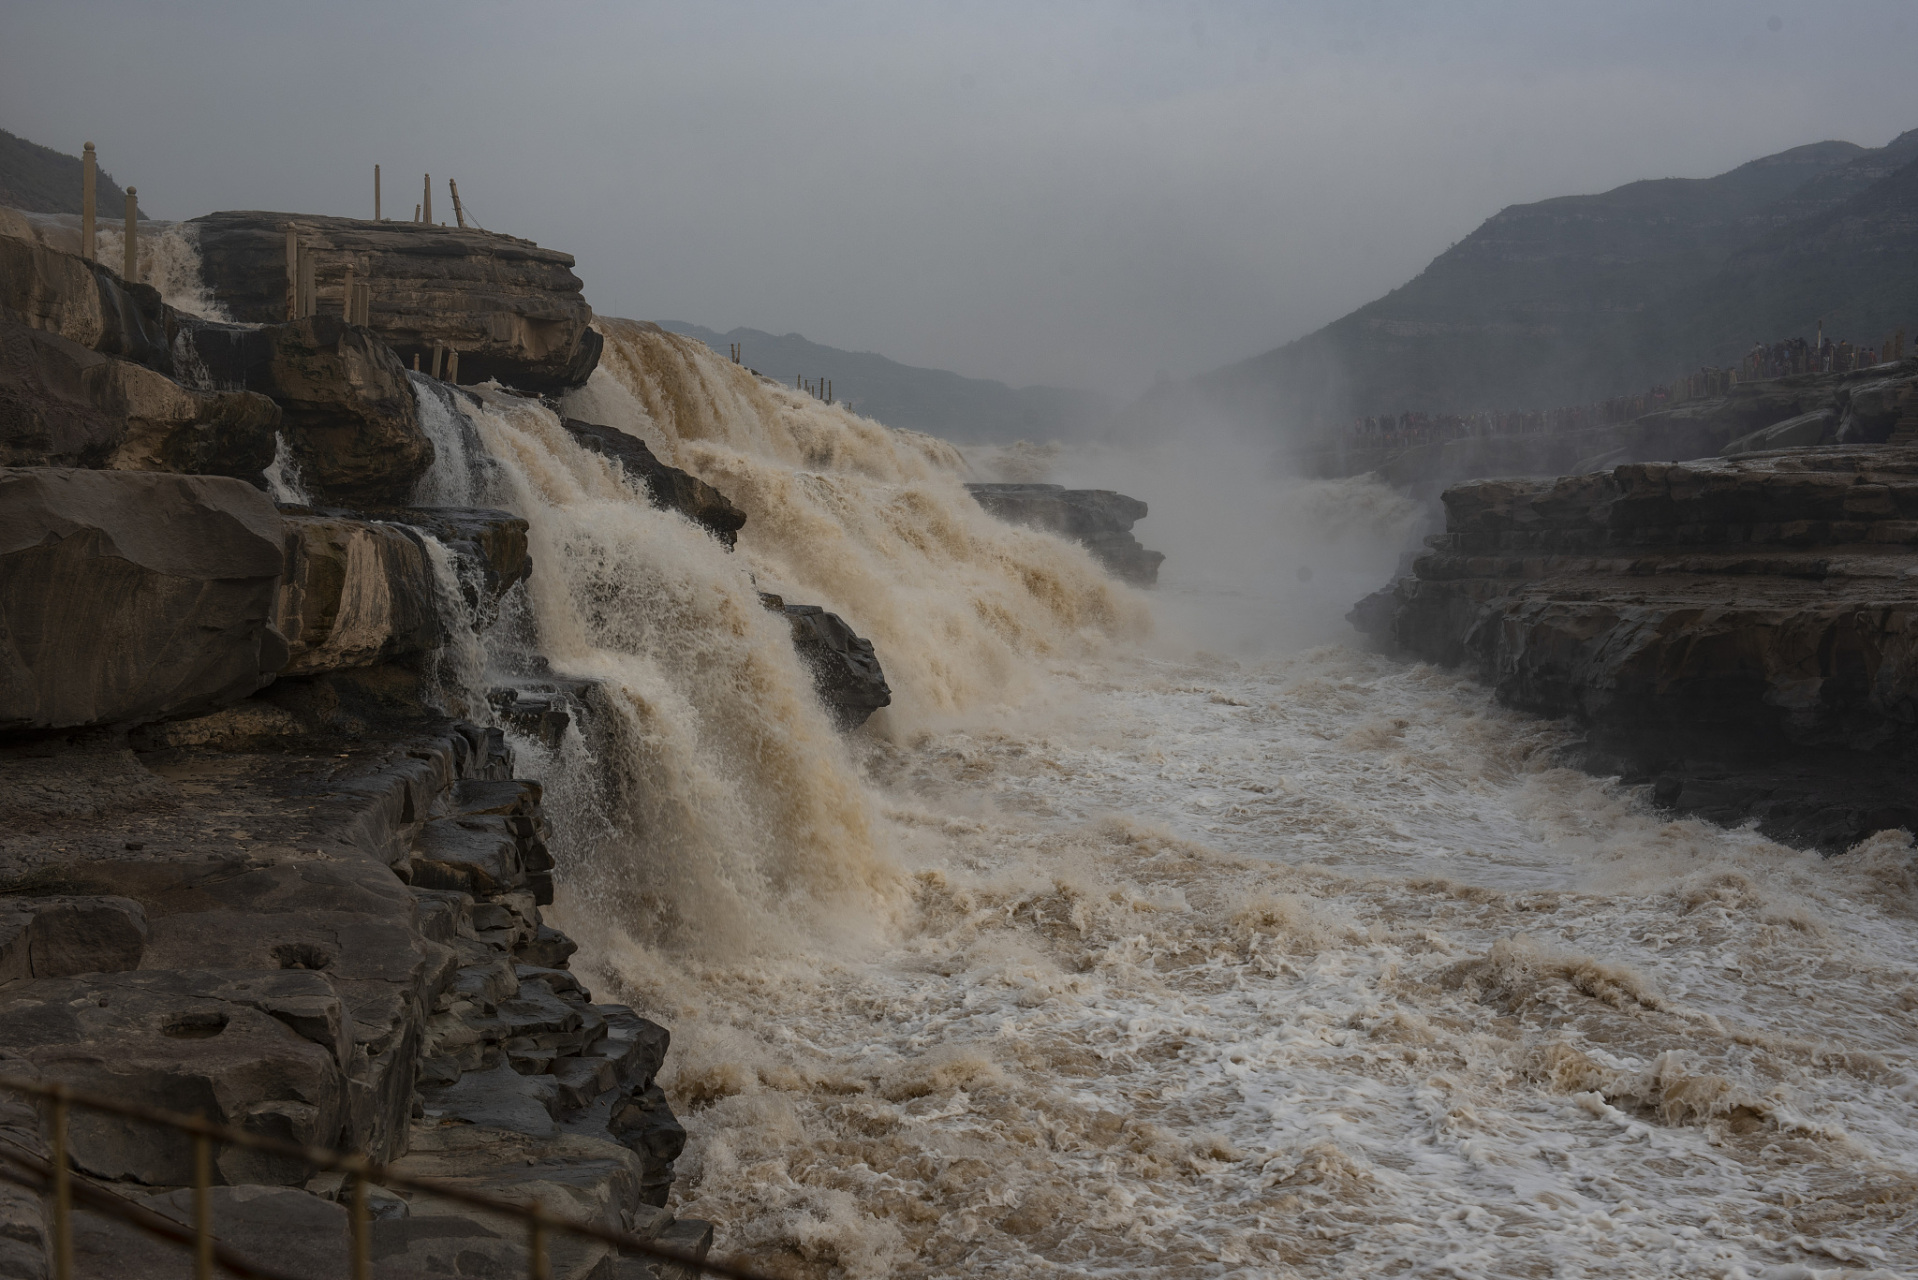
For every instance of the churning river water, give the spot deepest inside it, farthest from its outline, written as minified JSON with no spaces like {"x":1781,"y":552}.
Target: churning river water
{"x":1157,"y":934}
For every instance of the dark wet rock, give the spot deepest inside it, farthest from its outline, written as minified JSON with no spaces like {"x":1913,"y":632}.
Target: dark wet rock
{"x":1099,"y":518}
{"x":63,"y":405}
{"x":59,"y":937}
{"x":85,"y":303}
{"x":1741,"y":630}
{"x":354,"y":593}
{"x":127,"y":596}
{"x":351,"y":422}
{"x":491,"y":544}
{"x":643,"y":1121}
{"x":845,"y":669}
{"x":259,"y":1051}
{"x":513,"y":310}
{"x":669,"y":487}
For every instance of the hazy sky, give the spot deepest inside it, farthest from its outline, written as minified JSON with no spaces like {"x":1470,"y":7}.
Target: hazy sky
{"x":1086,"y":194}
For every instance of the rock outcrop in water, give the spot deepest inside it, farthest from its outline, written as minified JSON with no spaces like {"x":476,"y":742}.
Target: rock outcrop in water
{"x":513,"y":310}
{"x":1737,"y":632}
{"x":1099,"y":518}
{"x":844,"y":668}
{"x":670,"y":488}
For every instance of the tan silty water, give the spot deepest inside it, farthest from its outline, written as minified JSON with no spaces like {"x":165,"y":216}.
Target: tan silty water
{"x":1099,"y":954}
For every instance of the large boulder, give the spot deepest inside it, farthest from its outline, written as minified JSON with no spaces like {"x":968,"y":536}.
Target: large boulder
{"x":669,"y":487}
{"x":64,"y":405}
{"x":1100,"y":519}
{"x":84,"y":302}
{"x":513,"y":310}
{"x":132,"y":596}
{"x":350,"y":420}
{"x":354,"y":593}
{"x":845,"y":669}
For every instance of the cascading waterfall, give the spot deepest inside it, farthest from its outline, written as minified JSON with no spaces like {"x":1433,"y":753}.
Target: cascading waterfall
{"x":1087,"y":957}
{"x":870,"y":522}
{"x":169,"y":260}
{"x":744,"y":812}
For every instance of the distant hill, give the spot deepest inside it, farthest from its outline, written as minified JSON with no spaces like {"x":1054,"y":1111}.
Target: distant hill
{"x":1580,"y":297}
{"x":967,"y":410}
{"x":42,"y":180}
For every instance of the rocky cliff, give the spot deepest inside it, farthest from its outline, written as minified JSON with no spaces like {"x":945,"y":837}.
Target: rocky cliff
{"x":512,"y":310}
{"x":252,"y":867}
{"x":1737,"y":632}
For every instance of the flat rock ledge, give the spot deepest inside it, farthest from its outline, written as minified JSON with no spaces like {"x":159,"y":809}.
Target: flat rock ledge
{"x":1740,"y":634}
{"x":326,"y":936}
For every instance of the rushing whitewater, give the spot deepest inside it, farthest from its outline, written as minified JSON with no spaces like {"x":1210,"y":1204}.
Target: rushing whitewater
{"x":1104,"y":952}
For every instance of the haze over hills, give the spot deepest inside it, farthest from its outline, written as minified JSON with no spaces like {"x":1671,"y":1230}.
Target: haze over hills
{"x":1576,"y":298}
{"x":41,"y":180}
{"x":941,"y":403}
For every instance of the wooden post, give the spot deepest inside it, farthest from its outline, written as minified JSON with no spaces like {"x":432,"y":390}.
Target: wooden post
{"x":453,"y":367}
{"x":459,"y":214}
{"x":132,"y":271}
{"x":439,"y":357}
{"x":309,"y":282}
{"x":366,"y":302}
{"x":349,"y":295}
{"x":88,"y":168}
{"x":426,"y":201}
{"x":292,"y":274}
{"x":376,"y":195}
{"x":416,"y":362}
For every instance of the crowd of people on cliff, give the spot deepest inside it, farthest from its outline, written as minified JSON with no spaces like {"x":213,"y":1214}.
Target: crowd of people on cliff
{"x":1764,"y":360}
{"x":1820,"y":355}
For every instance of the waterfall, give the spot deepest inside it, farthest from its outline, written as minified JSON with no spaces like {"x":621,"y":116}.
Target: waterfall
{"x":724,"y":802}
{"x":283,"y":479}
{"x":169,"y":260}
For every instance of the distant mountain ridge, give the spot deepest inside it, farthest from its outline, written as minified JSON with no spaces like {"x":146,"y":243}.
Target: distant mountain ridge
{"x":938,"y":402}
{"x":41,"y":180}
{"x":1575,"y":298}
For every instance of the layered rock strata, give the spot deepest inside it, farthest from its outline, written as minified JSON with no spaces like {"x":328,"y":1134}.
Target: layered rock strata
{"x":98,"y":372}
{"x":1741,"y":633}
{"x":1098,"y":518}
{"x":512,"y":310}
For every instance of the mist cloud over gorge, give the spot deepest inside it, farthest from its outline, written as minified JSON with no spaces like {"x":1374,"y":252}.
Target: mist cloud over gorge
{"x":1087,"y":195}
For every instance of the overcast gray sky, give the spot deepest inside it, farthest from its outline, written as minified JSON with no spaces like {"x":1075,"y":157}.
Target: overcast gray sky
{"x":1085,"y":194}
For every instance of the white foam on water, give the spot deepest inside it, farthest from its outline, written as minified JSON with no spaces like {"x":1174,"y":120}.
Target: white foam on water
{"x":283,"y":480}
{"x":1098,"y":955}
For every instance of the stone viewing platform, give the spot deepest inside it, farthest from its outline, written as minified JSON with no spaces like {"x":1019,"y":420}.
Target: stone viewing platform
{"x":1739,"y":633}
{"x":509,"y":309}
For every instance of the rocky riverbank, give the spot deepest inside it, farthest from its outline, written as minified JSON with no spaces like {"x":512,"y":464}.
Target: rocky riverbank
{"x":1737,"y":633}
{"x":269,"y":853}
{"x":251,"y":868}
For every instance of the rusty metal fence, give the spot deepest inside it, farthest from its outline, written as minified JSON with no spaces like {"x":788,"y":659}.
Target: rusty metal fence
{"x":55,"y":1179}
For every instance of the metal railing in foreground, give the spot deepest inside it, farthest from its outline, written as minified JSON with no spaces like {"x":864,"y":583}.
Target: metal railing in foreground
{"x":54,"y":1177}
